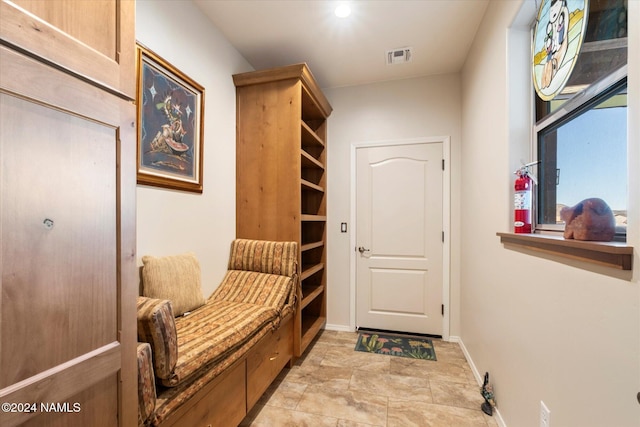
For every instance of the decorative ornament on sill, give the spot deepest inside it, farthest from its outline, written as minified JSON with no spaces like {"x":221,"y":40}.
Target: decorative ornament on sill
{"x":591,"y":219}
{"x":557,"y":38}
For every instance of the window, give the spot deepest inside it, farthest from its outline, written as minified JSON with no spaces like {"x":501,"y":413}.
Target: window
{"x":581,"y":135}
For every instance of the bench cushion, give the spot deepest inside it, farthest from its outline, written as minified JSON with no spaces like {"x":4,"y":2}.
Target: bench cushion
{"x":264,"y":257}
{"x":213,"y":332}
{"x":156,"y":326}
{"x":255,"y":288}
{"x":146,"y":384}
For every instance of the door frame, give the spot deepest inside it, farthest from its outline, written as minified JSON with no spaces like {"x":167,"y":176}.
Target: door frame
{"x":446,"y":221}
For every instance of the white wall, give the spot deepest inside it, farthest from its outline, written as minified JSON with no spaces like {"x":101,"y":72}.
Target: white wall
{"x":172,"y":222}
{"x":396,"y":110}
{"x":546,"y":329}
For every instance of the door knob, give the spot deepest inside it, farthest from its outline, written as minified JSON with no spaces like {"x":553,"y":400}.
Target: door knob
{"x":363,"y":250}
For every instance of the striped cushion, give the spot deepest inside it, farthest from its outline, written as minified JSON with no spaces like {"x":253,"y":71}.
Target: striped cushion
{"x":255,"y":288}
{"x":146,"y":384}
{"x":264,"y":256}
{"x":213,"y":332}
{"x":156,"y":326}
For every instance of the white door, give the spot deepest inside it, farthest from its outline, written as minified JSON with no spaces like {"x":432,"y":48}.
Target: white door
{"x":399,"y":215}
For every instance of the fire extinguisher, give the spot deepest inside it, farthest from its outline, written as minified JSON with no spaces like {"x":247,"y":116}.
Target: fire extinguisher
{"x":523,"y":199}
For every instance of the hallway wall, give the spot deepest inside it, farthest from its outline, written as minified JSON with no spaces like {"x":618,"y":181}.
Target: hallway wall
{"x":546,"y":328}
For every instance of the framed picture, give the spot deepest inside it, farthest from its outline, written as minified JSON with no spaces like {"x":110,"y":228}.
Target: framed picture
{"x":170,"y":125}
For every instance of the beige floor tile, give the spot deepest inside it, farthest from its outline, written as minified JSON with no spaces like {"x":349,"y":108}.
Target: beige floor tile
{"x":491,"y":420}
{"x":349,"y":423}
{"x":454,"y":371}
{"x":345,"y":339}
{"x":312,"y":357}
{"x":448,"y":351}
{"x":390,"y":385}
{"x":326,"y":376}
{"x":334,"y":385}
{"x":344,"y":404}
{"x":404,"y":413}
{"x":270,"y":416}
{"x":285,"y":394}
{"x":456,"y":394}
{"x":348,"y":358}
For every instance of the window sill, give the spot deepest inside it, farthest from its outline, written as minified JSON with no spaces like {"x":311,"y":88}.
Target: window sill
{"x":609,"y":254}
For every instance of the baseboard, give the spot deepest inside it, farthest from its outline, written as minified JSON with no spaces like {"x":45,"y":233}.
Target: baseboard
{"x":339,"y":328}
{"x":479,"y":378}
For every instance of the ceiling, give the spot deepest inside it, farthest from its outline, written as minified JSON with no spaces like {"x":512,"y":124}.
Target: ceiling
{"x":350,"y":51}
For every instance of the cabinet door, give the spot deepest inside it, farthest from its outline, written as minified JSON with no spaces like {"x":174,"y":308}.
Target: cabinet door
{"x":94,"y":39}
{"x":67,"y":249}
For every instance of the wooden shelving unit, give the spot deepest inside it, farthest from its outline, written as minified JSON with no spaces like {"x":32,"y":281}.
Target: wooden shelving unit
{"x":281,"y":177}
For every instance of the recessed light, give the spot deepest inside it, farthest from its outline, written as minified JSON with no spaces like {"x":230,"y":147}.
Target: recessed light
{"x":343,"y":10}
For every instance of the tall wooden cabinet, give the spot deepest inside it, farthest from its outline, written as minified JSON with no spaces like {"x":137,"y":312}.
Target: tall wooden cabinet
{"x":67,"y":213}
{"x":281,"y":177}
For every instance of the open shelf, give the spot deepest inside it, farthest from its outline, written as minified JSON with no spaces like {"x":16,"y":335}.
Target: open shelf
{"x":309,"y":136}
{"x":310,"y":327}
{"x":313,"y":245}
{"x":306,"y":185}
{"x":310,"y":293}
{"x":312,"y":112}
{"x":313,"y":218}
{"x":308,"y":161}
{"x":310,"y":270}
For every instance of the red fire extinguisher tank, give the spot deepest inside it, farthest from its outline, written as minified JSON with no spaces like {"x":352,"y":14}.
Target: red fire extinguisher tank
{"x":522,"y":202}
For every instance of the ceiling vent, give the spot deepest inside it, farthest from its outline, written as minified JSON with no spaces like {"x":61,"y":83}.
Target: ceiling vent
{"x":400,"y":55}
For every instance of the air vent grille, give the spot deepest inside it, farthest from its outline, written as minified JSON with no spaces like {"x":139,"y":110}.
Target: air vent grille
{"x":399,"y":55}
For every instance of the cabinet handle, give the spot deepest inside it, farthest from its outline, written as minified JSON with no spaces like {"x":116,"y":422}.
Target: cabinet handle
{"x":272,"y":358}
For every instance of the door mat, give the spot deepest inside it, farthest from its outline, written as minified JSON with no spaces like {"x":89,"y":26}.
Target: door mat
{"x":396,"y":345}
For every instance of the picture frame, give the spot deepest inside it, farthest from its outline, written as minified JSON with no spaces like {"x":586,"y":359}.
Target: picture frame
{"x":170,"y":125}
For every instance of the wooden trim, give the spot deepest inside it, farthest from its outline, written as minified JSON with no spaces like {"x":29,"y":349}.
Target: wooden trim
{"x":33,"y":35}
{"x":295,"y":71}
{"x":60,"y":383}
{"x":128,"y":274}
{"x":609,"y":254}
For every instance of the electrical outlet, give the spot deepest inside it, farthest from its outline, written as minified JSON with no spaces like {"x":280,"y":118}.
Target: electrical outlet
{"x":545,"y":415}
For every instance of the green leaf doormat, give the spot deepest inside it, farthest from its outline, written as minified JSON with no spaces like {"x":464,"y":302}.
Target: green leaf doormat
{"x":396,"y":345}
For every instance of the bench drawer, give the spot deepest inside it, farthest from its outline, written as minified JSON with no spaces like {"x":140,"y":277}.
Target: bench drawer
{"x":221,"y":404}
{"x":266,"y":360}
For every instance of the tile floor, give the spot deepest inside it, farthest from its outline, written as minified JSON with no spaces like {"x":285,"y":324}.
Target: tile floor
{"x":333,"y":385}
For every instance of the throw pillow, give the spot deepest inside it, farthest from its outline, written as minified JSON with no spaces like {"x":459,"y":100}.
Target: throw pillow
{"x":157,"y":326}
{"x":176,"y":278}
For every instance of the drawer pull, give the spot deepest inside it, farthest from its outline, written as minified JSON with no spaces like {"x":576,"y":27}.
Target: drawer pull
{"x":272,"y":358}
